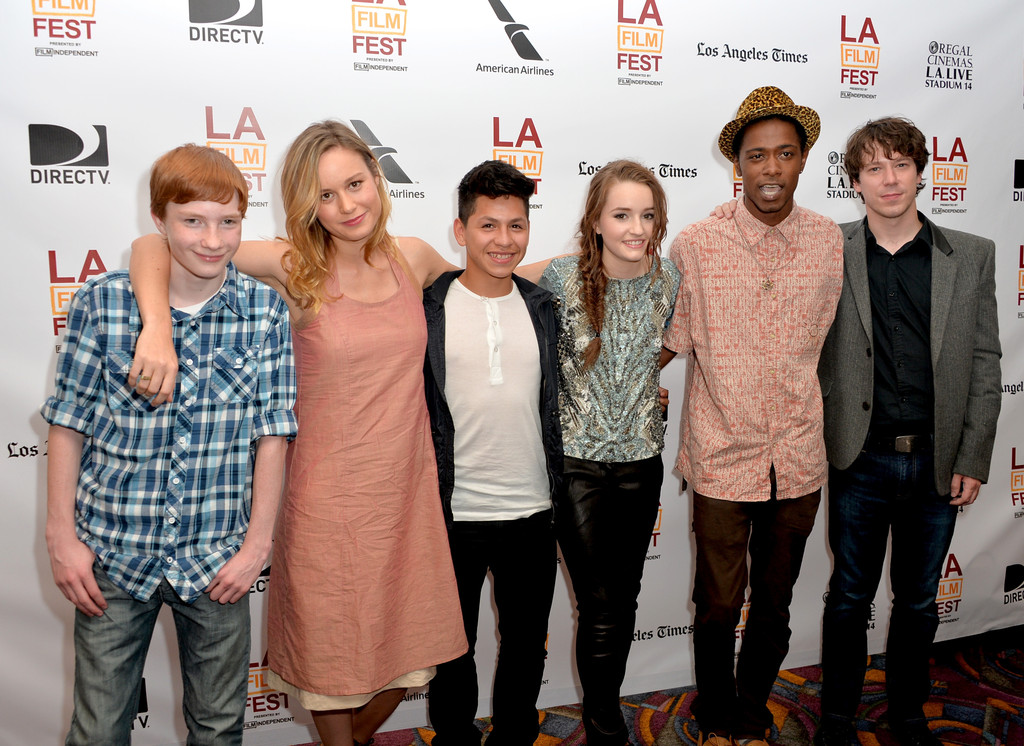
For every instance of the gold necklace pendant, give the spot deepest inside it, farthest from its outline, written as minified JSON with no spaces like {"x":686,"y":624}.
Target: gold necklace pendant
{"x":767,"y":284}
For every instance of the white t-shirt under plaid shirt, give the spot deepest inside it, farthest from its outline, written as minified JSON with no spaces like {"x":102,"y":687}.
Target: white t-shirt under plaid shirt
{"x":164,"y":492}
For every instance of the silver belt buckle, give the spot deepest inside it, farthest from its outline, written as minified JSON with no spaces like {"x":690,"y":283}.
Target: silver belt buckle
{"x":905,"y":443}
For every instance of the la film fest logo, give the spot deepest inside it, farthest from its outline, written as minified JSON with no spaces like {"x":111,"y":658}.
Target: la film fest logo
{"x":63,"y":25}
{"x":655,"y":533}
{"x":1020,"y":285}
{"x":59,"y":155}
{"x":523,"y":150}
{"x":264,"y":705}
{"x":65,"y":279}
{"x":949,"y":67}
{"x":859,"y":54}
{"x":1013,"y":584}
{"x":640,"y":36}
{"x":393,"y":173}
{"x":839,"y":183}
{"x":949,"y":175}
{"x":1017,"y":482}
{"x":226,"y":21}
{"x":379,"y":34}
{"x":951,"y":589}
{"x":240,"y":137}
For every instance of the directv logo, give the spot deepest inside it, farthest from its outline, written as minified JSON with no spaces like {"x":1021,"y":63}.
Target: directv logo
{"x":81,"y":157}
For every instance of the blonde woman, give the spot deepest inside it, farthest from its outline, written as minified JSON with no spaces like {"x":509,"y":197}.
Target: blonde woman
{"x":363,"y":601}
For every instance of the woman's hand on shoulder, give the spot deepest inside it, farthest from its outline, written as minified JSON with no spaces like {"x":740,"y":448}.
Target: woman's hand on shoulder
{"x":426,"y":264}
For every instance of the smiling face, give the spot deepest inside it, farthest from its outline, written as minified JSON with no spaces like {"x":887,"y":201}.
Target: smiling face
{"x":495,"y":236}
{"x":349,"y":203}
{"x":625,"y":225}
{"x":888,"y":185}
{"x":202,"y":237}
{"x":770,"y":160}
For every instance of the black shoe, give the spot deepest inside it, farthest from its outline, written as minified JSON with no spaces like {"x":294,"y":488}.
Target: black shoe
{"x":914,"y":733}
{"x":834,"y":731}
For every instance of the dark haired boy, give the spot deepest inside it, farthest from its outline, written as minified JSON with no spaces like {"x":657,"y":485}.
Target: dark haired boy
{"x":758,"y":293}
{"x":911,"y":383}
{"x":491,"y":384}
{"x":176,"y":504}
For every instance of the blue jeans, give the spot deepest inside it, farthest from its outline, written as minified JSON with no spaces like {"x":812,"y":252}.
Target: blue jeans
{"x":110,"y":652}
{"x":883,"y":491}
{"x":520,"y":555}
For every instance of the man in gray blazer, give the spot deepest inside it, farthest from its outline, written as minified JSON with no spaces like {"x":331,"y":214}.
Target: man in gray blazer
{"x":911,"y":385}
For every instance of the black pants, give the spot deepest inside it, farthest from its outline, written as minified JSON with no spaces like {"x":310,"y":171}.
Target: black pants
{"x":604,"y":520}
{"x":521,"y":557}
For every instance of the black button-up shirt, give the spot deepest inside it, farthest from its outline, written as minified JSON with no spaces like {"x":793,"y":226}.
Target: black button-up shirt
{"x":901,"y":299}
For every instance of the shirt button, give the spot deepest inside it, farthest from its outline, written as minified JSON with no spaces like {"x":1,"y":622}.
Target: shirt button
{"x":238,"y":361}
{"x":175,"y":481}
{"x":169,"y":560}
{"x":188,"y":362}
{"x":182,"y":441}
{"x":171,"y":520}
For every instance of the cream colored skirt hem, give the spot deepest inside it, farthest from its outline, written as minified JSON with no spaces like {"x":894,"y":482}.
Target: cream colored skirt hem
{"x":314,"y":701}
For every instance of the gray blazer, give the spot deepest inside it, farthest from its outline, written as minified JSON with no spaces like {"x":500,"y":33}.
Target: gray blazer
{"x":965,"y":355}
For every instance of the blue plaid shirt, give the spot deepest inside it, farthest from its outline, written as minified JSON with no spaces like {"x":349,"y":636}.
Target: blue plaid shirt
{"x":165,"y":492}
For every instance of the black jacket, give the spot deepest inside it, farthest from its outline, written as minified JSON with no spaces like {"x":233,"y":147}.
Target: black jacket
{"x":442,"y":428}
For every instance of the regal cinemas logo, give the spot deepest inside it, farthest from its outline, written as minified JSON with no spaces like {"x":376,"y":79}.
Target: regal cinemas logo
{"x":64,"y":282}
{"x":226,"y":21}
{"x":59,"y":155}
{"x":840,"y":185}
{"x":64,"y":24}
{"x":951,"y":589}
{"x":949,"y":176}
{"x":243,"y":143}
{"x":859,"y":53}
{"x":263,"y":703}
{"x":1017,"y":482}
{"x":524,"y":150}
{"x":1013,"y":584}
{"x":950,"y":67}
{"x":378,"y":31}
{"x":640,"y":36}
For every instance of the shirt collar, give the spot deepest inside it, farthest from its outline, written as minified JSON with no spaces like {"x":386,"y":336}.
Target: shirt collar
{"x":231,"y":294}
{"x":923,"y":239}
{"x":754,"y":231}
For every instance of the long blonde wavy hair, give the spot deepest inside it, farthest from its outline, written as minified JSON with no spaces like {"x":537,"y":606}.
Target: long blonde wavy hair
{"x":309,"y":260}
{"x":593,"y":277}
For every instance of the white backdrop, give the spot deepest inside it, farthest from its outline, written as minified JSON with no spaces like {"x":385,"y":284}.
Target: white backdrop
{"x":95,"y":90}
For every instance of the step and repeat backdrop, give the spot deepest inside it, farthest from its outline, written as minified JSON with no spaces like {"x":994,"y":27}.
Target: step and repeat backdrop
{"x":95,"y":90}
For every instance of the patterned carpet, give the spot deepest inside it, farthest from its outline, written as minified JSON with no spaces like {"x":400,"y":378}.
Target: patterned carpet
{"x":977,"y":699}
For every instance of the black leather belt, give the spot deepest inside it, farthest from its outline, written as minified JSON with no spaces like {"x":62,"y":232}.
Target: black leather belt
{"x":899,"y":443}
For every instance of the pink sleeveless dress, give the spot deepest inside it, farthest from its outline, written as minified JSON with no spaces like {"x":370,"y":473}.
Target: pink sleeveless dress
{"x":362,"y":590}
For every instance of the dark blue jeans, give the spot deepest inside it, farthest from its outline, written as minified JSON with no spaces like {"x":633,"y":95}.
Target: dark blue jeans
{"x":520,"y":555}
{"x":883,"y":491}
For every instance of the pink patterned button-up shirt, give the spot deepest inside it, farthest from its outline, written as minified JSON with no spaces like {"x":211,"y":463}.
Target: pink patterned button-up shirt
{"x":754,"y":305}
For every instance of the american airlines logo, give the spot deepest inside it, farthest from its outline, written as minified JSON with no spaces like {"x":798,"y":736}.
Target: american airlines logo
{"x":515,"y":31}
